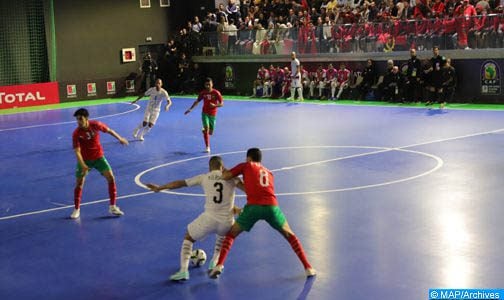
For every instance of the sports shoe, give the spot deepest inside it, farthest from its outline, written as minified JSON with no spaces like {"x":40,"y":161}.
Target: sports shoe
{"x":310,"y":272}
{"x":216,"y":271}
{"x":290,"y":99}
{"x":211,"y":265}
{"x":75,"y":214}
{"x":114,"y":209}
{"x":180,"y":276}
{"x":207,"y":149}
{"x":135,"y":133}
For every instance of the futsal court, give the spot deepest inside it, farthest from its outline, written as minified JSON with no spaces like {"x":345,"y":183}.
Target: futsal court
{"x":387,"y":201}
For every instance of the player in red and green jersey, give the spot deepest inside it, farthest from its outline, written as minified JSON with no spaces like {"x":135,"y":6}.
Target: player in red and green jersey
{"x":261,"y":204}
{"x":89,"y":153}
{"x":212,"y":99}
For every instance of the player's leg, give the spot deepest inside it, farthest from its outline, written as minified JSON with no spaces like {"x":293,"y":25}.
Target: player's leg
{"x":138,"y":131}
{"x":198,"y":229}
{"x":151,"y":121}
{"x":80,"y":178}
{"x":245,"y":221}
{"x":277,"y":220}
{"x":341,"y":88}
{"x":334,"y":84}
{"x":206,"y":131}
{"x":104,"y":168}
{"x":312,"y":88}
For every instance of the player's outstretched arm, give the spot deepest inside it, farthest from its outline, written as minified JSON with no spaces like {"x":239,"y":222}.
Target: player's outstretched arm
{"x":118,"y":137}
{"x":169,"y":186}
{"x":192,"y":106}
{"x":139,"y":97}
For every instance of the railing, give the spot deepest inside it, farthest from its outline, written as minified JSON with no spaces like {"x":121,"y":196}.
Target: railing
{"x":479,"y":32}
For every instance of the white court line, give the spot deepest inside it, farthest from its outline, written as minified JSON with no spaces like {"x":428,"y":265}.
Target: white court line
{"x":383,"y":150}
{"x":70,"y":122}
{"x":194,"y":158}
{"x":71,"y":206}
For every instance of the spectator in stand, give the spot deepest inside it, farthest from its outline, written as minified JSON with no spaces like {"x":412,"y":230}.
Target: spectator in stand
{"x":278,"y":82}
{"x":449,"y":82}
{"x":464,"y":17}
{"x":413,"y":86}
{"x":381,"y":87}
{"x":368,"y":79}
{"x":232,"y":11}
{"x":232,"y":37}
{"x":196,"y":25}
{"x":222,"y":32}
{"x":305,"y":79}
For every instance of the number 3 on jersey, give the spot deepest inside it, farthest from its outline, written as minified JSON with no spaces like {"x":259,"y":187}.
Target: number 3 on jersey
{"x":218,"y":188}
{"x":263,"y":178}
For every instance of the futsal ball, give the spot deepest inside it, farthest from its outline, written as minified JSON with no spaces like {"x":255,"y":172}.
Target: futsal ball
{"x":198,"y":257}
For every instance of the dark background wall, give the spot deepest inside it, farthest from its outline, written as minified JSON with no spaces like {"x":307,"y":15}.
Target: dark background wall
{"x":91,"y":33}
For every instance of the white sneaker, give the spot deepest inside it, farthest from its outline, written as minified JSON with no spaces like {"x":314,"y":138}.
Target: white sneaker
{"x":207,"y":149}
{"x":290,"y":99}
{"x":310,"y":272}
{"x":141,"y":137}
{"x":135,"y":133}
{"x":114,"y":209}
{"x":75,"y":214}
{"x":215,"y":272}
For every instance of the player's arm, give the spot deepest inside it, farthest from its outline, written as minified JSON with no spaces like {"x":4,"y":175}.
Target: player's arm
{"x":117,"y":136}
{"x":195,"y":103}
{"x":237,"y":210}
{"x":168,"y":103}
{"x":239,"y":184}
{"x":80,"y":160}
{"x":169,"y":186}
{"x":226,"y":175}
{"x":139,"y":97}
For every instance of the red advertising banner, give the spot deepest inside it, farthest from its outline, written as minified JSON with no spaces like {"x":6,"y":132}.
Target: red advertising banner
{"x":29,"y":95}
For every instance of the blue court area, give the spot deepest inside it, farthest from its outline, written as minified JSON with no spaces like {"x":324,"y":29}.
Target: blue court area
{"x":387,"y":201}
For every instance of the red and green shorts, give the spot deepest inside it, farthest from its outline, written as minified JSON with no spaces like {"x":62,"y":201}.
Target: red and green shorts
{"x":100,"y":164}
{"x":253,"y":213}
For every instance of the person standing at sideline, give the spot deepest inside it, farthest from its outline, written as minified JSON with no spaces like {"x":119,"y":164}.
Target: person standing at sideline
{"x":296,"y":78}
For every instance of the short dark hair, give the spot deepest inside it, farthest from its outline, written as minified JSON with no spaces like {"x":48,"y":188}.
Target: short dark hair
{"x":215,"y":162}
{"x":81,"y":112}
{"x":435,"y":47}
{"x":254,"y":154}
{"x":208,"y":79}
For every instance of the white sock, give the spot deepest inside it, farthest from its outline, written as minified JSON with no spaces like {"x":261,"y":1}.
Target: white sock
{"x":333,"y":90}
{"x":185,"y":255}
{"x":218,"y":245}
{"x":293,"y":92}
{"x":340,"y":91}
{"x":300,"y":92}
{"x":146,"y":130}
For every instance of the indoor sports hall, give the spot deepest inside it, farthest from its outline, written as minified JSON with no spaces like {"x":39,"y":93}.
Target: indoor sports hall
{"x":387,"y":201}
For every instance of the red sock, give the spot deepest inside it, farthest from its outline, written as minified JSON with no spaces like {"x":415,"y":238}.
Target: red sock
{"x":226,"y":246}
{"x":77,"y":197}
{"x":206,"y":137}
{"x":112,"y":192}
{"x":298,"y":248}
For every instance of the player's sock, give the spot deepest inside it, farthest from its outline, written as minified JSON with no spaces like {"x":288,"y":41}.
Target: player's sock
{"x":333,"y":91}
{"x":77,"y":197}
{"x":300,"y":93}
{"x":185,"y":255}
{"x":112,"y":192}
{"x":293,"y":92}
{"x":146,"y":130}
{"x":217,"y":248}
{"x":206,"y":137}
{"x":339,"y":92}
{"x":298,"y":248}
{"x":226,"y":246}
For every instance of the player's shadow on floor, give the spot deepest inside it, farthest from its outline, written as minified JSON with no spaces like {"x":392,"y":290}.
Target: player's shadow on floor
{"x":307,"y":288}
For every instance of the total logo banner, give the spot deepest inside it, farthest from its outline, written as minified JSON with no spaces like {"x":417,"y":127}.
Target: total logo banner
{"x":14,"y":96}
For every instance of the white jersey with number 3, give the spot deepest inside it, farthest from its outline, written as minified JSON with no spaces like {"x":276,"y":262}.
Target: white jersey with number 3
{"x":219,"y":194}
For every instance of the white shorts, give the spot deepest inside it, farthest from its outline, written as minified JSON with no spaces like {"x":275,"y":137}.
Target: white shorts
{"x":296,"y":83}
{"x":206,"y":224}
{"x":151,"y":115}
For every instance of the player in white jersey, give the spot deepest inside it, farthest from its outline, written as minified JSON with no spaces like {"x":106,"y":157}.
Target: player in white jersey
{"x":156,"y":96}
{"x":296,"y":78}
{"x":217,"y":217}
